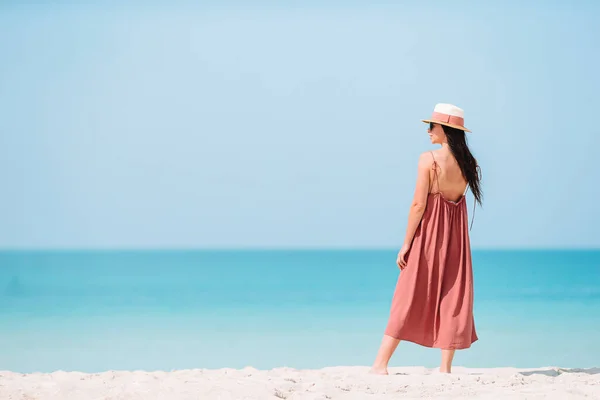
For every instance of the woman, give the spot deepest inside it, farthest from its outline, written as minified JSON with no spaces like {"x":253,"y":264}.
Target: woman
{"x":433,"y":302}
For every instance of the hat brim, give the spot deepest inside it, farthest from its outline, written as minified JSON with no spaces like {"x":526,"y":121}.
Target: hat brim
{"x":462,"y":128}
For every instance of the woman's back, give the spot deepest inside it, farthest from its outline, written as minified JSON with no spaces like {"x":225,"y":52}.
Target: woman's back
{"x":446,"y":176}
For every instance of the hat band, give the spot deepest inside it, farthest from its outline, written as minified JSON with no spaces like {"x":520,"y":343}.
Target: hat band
{"x":449,"y":119}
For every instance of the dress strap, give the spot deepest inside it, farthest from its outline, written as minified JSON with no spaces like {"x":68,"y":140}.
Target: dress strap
{"x":474,"y":203}
{"x":473,"y":217}
{"x":435,"y":165}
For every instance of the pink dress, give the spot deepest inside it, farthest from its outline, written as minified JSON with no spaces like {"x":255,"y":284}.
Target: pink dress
{"x":433,"y":302}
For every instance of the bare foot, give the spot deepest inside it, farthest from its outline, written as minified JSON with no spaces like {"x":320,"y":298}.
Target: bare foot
{"x":379,"y":371}
{"x":445,"y":371}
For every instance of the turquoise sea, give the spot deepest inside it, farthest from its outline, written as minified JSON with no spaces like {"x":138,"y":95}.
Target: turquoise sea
{"x":98,"y":310}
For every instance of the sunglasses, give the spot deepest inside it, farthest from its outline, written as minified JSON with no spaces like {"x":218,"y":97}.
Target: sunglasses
{"x":431,"y":125}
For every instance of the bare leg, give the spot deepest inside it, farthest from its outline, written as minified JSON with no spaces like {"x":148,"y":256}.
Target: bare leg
{"x":387,"y":348}
{"x":447,"y":356}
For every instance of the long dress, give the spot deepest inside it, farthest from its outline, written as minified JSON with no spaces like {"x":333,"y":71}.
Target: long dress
{"x":433,"y":301}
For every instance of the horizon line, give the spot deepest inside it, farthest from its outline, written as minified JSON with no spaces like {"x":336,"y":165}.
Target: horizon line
{"x":265,"y":249}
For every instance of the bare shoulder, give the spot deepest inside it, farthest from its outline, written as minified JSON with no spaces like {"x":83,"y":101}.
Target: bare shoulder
{"x":426,"y":160}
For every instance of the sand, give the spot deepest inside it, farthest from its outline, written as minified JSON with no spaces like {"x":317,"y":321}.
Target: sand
{"x":288,"y":383}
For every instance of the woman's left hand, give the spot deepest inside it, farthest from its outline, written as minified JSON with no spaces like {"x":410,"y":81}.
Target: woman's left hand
{"x":401,"y":260}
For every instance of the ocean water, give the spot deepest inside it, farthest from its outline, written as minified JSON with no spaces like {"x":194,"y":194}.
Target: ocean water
{"x":162,"y":310}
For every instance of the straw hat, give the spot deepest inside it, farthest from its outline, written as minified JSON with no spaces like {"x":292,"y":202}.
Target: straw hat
{"x":449,"y":115}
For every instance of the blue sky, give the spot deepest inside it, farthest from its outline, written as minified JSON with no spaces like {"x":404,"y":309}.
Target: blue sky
{"x":269,"y":124}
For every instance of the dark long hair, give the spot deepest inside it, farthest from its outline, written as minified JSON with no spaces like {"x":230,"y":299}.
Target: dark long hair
{"x":457,"y":141}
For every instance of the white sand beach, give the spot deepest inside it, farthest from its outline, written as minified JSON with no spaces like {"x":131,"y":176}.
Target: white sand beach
{"x":288,"y":383}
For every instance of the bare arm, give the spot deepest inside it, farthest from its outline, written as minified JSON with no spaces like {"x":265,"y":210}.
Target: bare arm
{"x":417,"y":207}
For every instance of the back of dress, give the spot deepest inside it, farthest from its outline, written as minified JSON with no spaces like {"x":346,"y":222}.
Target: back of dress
{"x":433,"y":301}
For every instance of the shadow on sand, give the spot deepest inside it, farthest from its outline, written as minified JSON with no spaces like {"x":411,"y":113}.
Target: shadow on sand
{"x":560,"y":371}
